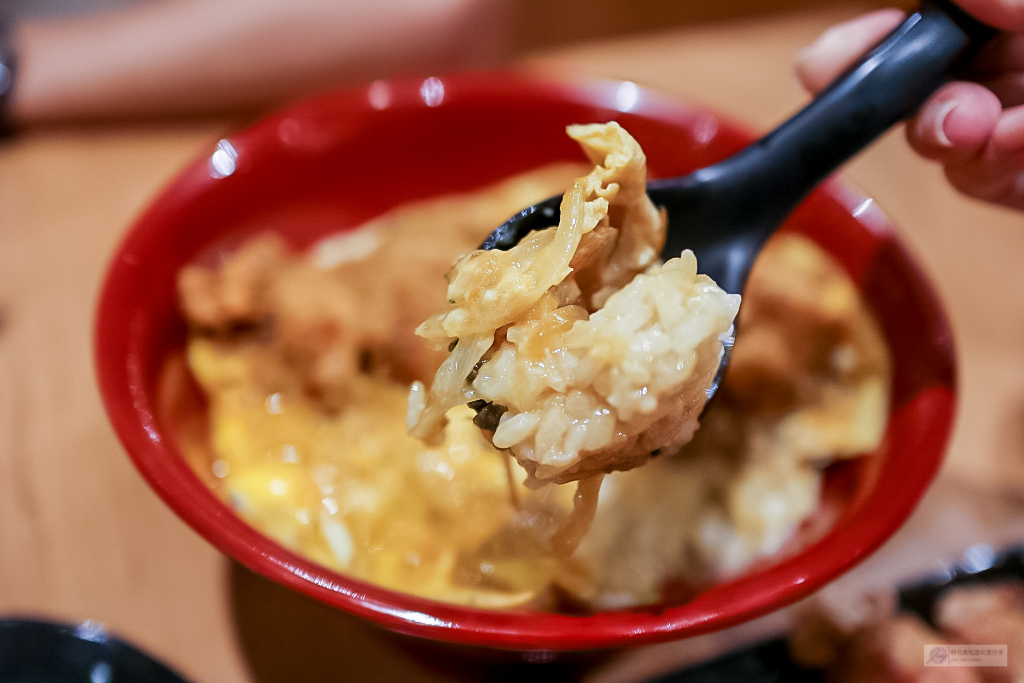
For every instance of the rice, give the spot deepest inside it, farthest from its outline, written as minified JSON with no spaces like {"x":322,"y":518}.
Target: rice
{"x":594,"y":354}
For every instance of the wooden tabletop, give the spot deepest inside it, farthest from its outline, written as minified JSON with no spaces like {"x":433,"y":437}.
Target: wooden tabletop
{"x":83,"y":537}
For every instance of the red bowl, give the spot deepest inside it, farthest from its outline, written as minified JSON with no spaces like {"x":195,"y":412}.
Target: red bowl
{"x":332,"y":162}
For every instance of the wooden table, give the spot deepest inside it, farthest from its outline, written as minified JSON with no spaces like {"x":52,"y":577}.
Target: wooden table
{"x":82,"y":537}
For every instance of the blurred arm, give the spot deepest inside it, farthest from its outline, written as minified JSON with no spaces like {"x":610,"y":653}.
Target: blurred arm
{"x":187,"y":56}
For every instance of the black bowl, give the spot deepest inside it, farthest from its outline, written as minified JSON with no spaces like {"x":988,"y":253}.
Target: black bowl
{"x":45,"y":652}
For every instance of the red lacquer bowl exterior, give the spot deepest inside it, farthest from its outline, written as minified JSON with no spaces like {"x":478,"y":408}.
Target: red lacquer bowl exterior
{"x":334,"y":161}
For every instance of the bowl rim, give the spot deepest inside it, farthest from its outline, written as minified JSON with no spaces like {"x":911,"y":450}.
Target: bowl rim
{"x":744,"y":598}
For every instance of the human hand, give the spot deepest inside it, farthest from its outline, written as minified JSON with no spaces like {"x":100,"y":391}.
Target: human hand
{"x":975,"y":129}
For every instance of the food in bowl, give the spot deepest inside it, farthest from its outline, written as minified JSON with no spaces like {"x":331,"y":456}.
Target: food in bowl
{"x":305,"y":359}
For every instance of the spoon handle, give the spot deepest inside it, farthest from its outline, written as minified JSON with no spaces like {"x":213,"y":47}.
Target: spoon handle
{"x":754,"y":190}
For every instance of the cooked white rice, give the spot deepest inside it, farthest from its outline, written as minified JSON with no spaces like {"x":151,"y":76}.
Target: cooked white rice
{"x":599,"y":360}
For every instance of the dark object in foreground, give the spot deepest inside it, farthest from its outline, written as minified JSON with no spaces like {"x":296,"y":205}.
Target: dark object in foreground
{"x":44,"y":652}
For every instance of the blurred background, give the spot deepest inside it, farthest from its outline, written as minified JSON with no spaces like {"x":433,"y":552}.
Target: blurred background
{"x":544,"y":23}
{"x":117,"y":58}
{"x":541,"y":24}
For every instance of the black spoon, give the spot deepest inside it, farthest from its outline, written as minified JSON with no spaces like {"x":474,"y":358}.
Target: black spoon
{"x":726,"y":212}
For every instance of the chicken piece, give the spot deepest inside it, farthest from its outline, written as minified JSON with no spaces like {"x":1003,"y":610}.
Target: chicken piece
{"x":346,"y":309}
{"x":236,"y":294}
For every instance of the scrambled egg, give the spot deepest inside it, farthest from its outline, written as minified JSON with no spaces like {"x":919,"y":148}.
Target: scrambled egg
{"x":353,"y":491}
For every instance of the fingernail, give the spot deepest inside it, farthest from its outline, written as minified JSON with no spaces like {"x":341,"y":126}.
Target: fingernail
{"x":814,"y":64}
{"x":939,"y":132}
{"x":825,"y":44}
